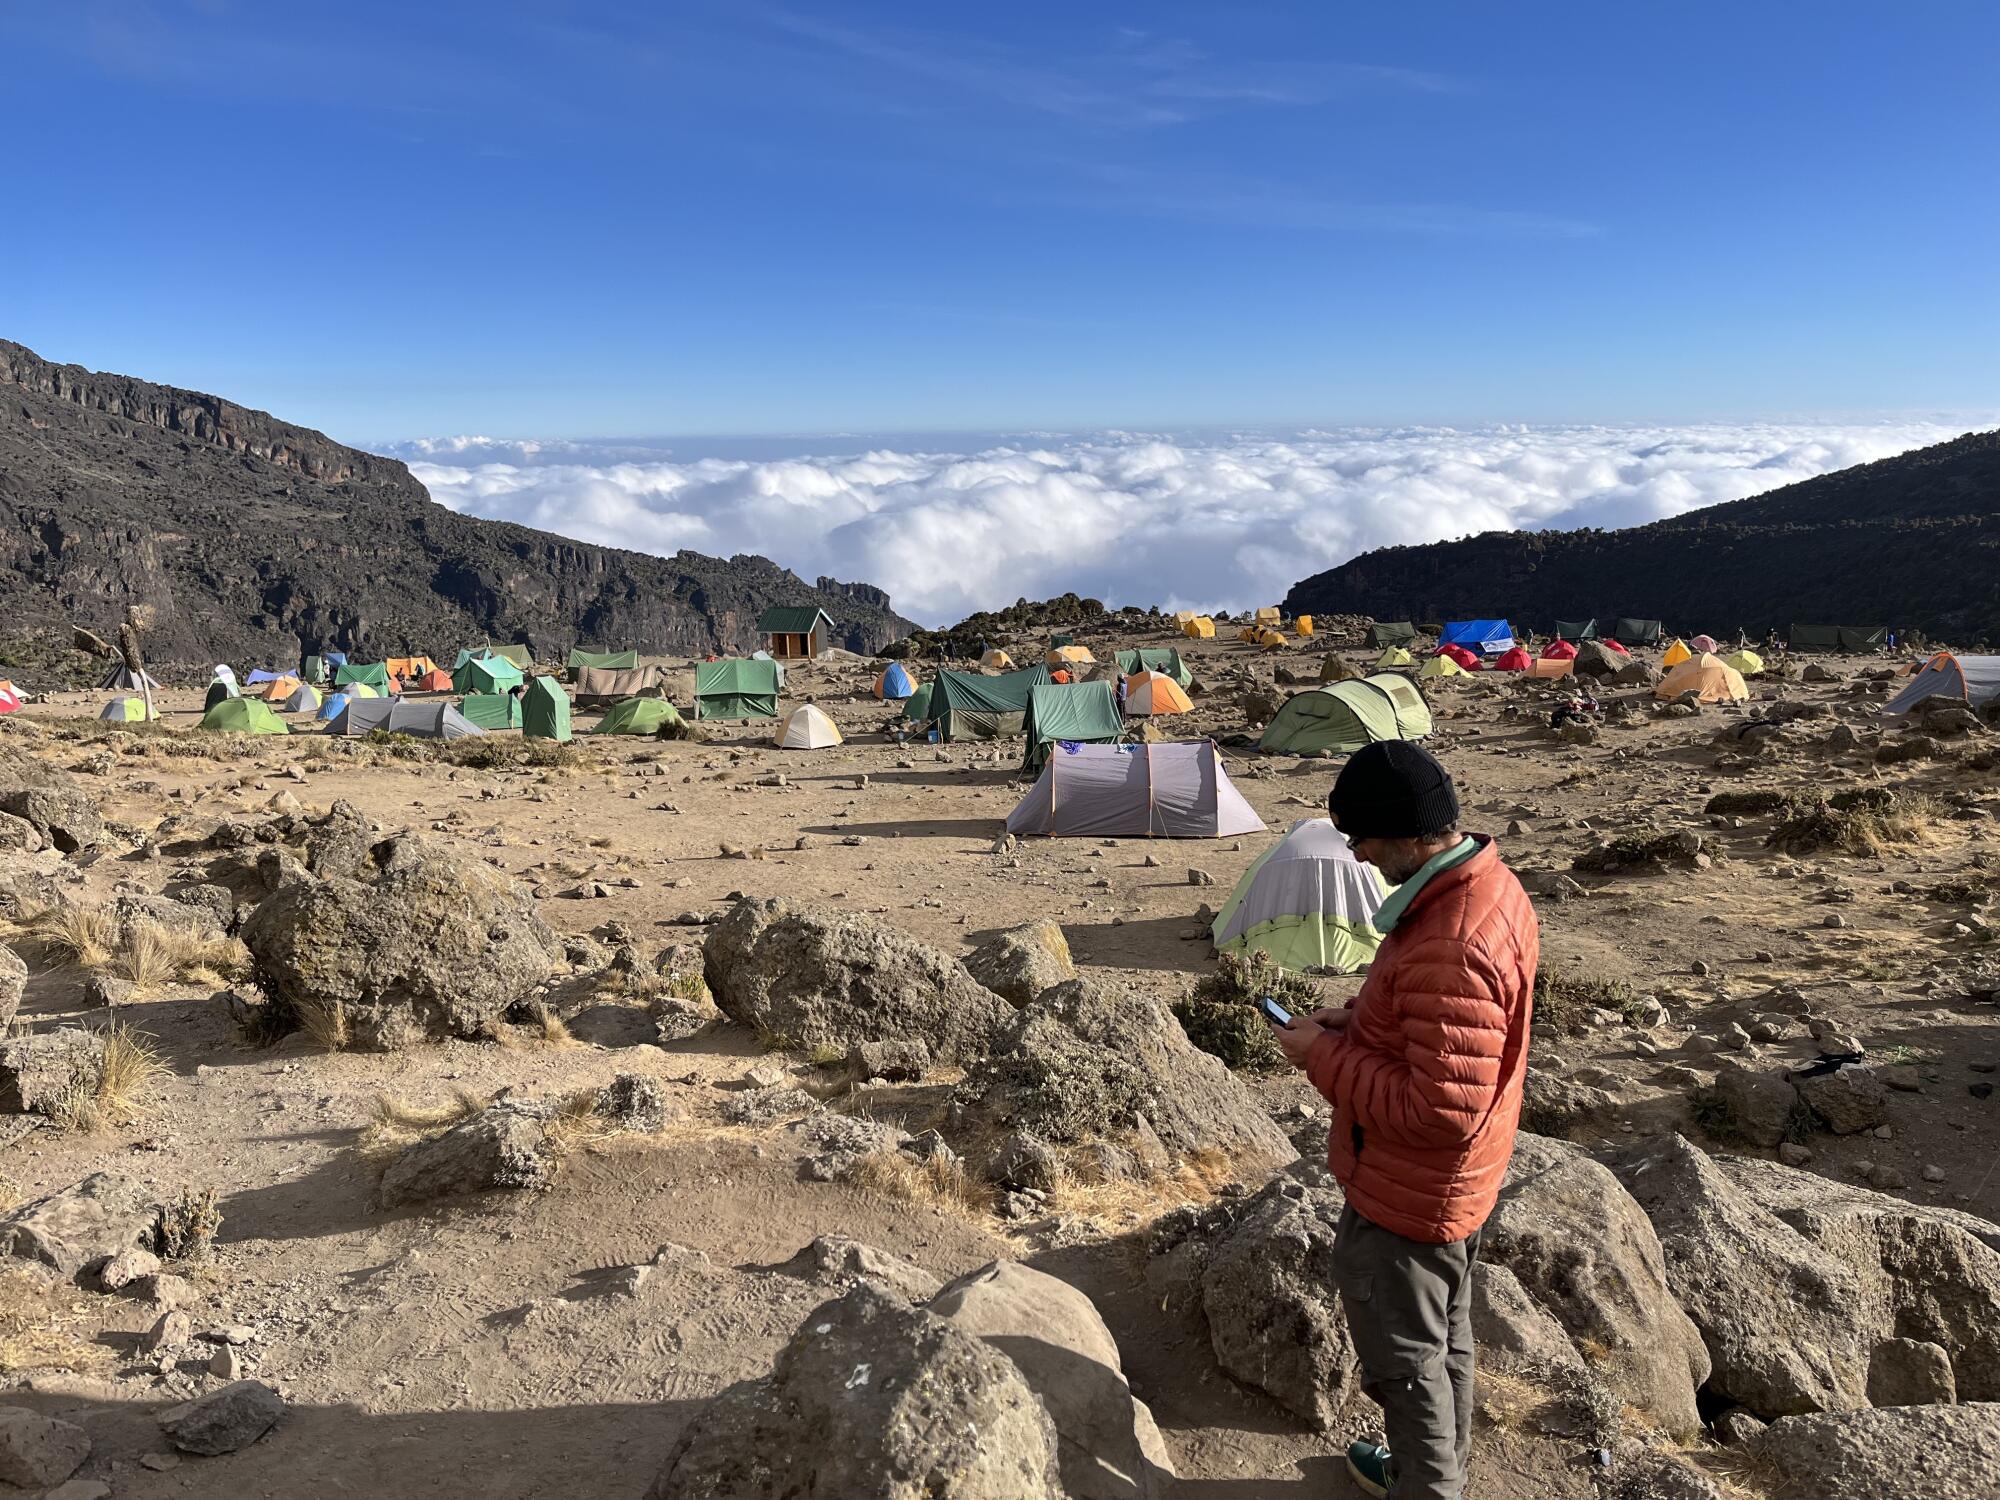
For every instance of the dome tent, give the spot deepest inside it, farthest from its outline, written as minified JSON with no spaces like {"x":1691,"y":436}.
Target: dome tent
{"x":304,"y":699}
{"x":1341,"y":717}
{"x":1702,"y":643}
{"x":486,"y":674}
{"x":894,"y":683}
{"x":1394,"y":656}
{"x":1149,"y":693}
{"x":1707,"y":675}
{"x":1973,"y":679}
{"x":1746,"y":661}
{"x":243,"y":716}
{"x":807,"y":727}
{"x":1558,"y":650}
{"x":996,"y":660}
{"x":1513,"y":660}
{"x":220,"y":690}
{"x":638,"y":716}
{"x":1156,"y":659}
{"x":1308,"y":902}
{"x":1175,"y":789}
{"x":426,"y":721}
{"x":1460,"y":656}
{"x":1440,"y":666}
{"x":1678,"y":652}
{"x":124,"y":711}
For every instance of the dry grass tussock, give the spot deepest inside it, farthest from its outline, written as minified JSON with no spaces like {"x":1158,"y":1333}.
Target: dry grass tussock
{"x":188,"y":1226}
{"x":944,"y":1183}
{"x":73,"y":935}
{"x":36,"y":1323}
{"x":544,"y":1028}
{"x":132,"y":1067}
{"x":1862,"y":823}
{"x":1122,"y":1205}
{"x":154,"y":956}
{"x":395,"y":1125}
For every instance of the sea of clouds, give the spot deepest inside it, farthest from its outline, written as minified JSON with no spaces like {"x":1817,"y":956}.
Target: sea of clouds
{"x":1203,"y":521}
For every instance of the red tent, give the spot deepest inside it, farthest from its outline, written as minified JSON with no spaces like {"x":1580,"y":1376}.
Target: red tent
{"x":1558,"y":650}
{"x":1516,"y":660}
{"x":8,"y":702}
{"x":1610,"y":645}
{"x":1466,"y":659}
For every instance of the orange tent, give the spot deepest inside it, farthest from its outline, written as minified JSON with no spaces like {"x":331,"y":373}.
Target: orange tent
{"x":1553,"y":666}
{"x":436,"y":680}
{"x":1154,"y":693}
{"x":277,"y":689}
{"x":1708,"y":675}
{"x":409,"y":666}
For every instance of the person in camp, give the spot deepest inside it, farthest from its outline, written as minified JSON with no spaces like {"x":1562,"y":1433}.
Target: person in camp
{"x":1424,"y":1070}
{"x":1124,"y":687}
{"x":1575,"y":709}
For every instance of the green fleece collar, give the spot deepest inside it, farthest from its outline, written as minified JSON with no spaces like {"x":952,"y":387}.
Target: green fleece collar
{"x":1391,"y":910}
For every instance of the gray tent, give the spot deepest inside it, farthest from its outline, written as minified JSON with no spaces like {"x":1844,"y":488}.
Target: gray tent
{"x":1973,"y":680}
{"x":1837,"y":637}
{"x":122,"y":679}
{"x":429,"y":721}
{"x":1172,"y":790}
{"x":597,"y":686}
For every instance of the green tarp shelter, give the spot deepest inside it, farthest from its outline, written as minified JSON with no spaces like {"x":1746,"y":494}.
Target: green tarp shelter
{"x":490,"y":674}
{"x":611,"y":661}
{"x":374,"y":674}
{"x":244,"y":716}
{"x":1155,"y":659}
{"x":736,"y":689}
{"x":492,"y":710}
{"x":1838,"y":637}
{"x":1070,"y":712}
{"x":520,"y":656}
{"x":1340,"y":717}
{"x":1391,"y":633}
{"x":640,"y":716}
{"x":1628,"y":631}
{"x":1576,"y":630}
{"x":971,"y":705}
{"x":314,"y":670}
{"x":545,"y":710}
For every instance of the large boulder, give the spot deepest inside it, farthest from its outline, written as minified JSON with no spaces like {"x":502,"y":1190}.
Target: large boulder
{"x":76,"y":1227}
{"x":817,"y":977}
{"x":1847,"y":1099}
{"x":38,"y":1451}
{"x":436,"y":946}
{"x":1107,"y":1445}
{"x":874,"y":1398}
{"x":61,"y":811}
{"x":224,"y":1420}
{"x":1513,"y":1331}
{"x":1789,"y":1328}
{"x":1020,"y":963}
{"x":1938,"y":1269}
{"x":1584,"y":1250}
{"x":13,"y":983}
{"x":43,"y":1071}
{"x":1088,"y":1063}
{"x":1891,"y":1453}
{"x":1596,"y":660}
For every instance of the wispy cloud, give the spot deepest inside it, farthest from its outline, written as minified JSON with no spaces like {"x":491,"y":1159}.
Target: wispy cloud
{"x":1136,"y":518}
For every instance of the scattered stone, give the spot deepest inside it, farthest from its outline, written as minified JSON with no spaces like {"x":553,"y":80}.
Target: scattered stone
{"x":1019,"y":964}
{"x":1890,"y":1453}
{"x":126,"y":1267}
{"x":172,"y":1330}
{"x":41,"y":1071}
{"x":504,"y":1146}
{"x":1199,"y":877}
{"x":224,"y":1421}
{"x":91,"y":1221}
{"x":37,"y":1451}
{"x":1760,"y":1106}
{"x":1847,"y":1099}
{"x":891,"y":1061}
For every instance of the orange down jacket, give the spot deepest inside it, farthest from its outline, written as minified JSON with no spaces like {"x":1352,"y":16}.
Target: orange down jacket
{"x":1425,"y":1081}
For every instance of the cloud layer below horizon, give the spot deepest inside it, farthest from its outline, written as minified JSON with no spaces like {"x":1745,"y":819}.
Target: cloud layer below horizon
{"x":1217,"y":521}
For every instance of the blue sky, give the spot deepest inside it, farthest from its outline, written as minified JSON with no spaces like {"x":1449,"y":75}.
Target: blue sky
{"x":611,"y":219}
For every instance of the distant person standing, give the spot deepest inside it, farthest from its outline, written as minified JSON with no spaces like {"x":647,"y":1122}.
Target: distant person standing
{"x":1424,"y":1070}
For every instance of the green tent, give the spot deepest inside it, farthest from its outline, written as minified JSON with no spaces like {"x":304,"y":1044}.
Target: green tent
{"x":1576,"y":630}
{"x":917,"y":707}
{"x":735,"y":689}
{"x":374,"y":674}
{"x":1155,"y":659}
{"x":489,"y":674}
{"x":520,"y":656}
{"x":1628,"y":631}
{"x":545,"y":710}
{"x":639,"y":716}
{"x":610,"y":661}
{"x":1391,"y":633}
{"x":970,"y":705}
{"x":1338,"y":718}
{"x":244,"y":716}
{"x":492,"y":710}
{"x":1413,"y":714}
{"x":314,"y":670}
{"x":1072,"y":712}
{"x":1838,"y":637}
{"x":1307,"y":901}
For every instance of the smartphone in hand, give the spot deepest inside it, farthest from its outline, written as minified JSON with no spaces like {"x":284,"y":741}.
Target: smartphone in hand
{"x":1275,"y":1013}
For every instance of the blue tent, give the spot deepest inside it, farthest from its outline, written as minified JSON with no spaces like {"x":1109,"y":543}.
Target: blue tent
{"x":1487,"y":637}
{"x":260,"y":675}
{"x":334,"y":659}
{"x":335,"y":705}
{"x":894,"y":683}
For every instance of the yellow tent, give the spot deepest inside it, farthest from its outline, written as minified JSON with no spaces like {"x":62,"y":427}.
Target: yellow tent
{"x":1676,"y":654}
{"x":1440,"y":666}
{"x":1247,"y":633}
{"x":1394,"y":656}
{"x":997,"y":660}
{"x":1270,"y":615}
{"x":1200,"y":628}
{"x":1561,"y":666}
{"x":1746,"y":661}
{"x":1070,"y":656}
{"x":1304,"y":624}
{"x":1715,"y":680}
{"x":1182,"y":616}
{"x":1271,"y":640}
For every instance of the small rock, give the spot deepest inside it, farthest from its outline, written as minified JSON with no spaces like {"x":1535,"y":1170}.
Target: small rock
{"x":226,"y":1363}
{"x":1794,"y":1155}
{"x":231,"y":1418}
{"x":1199,"y":877}
{"x":172,"y":1331}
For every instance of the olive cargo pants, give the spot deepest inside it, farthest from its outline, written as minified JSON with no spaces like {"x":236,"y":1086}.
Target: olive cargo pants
{"x":1409,"y":1312}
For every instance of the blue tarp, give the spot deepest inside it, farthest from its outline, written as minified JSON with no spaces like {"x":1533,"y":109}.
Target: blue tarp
{"x":334,"y":658}
{"x":1487,"y":637}
{"x":260,"y":675}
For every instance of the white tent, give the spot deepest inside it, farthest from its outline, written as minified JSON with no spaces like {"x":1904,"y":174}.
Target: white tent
{"x":1176,"y":789}
{"x":1974,"y":680}
{"x":430,"y":721}
{"x":807,"y":728}
{"x":1308,"y":902}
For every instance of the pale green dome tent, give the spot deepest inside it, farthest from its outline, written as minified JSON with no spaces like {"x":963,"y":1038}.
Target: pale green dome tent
{"x":637,"y":716}
{"x":244,"y":716}
{"x":1340,"y":717}
{"x":1308,"y":902}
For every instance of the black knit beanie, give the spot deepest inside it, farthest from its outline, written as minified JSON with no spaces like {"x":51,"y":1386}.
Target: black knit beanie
{"x":1393,"y":790}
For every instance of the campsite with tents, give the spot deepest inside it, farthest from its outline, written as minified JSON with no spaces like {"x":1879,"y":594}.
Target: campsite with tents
{"x":660,"y":885}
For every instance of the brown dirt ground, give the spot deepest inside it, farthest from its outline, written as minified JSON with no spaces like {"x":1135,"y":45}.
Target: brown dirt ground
{"x":462,"y":1349}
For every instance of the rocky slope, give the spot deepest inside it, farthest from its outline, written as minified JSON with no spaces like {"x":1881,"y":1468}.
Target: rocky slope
{"x":1911,"y":541}
{"x":250,"y":539}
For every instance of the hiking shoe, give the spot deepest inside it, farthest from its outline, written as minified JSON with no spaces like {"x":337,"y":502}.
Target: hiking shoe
{"x":1368,"y":1466}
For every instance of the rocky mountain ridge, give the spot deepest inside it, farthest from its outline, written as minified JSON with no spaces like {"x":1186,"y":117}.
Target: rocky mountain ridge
{"x":1912,"y":542}
{"x":246,"y":538}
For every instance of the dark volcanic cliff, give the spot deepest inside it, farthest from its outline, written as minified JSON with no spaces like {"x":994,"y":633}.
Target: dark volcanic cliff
{"x":1911,"y":541}
{"x":252,"y":540}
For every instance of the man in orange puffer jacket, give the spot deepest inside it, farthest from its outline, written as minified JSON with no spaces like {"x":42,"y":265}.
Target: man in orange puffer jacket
{"x":1424,"y":1070}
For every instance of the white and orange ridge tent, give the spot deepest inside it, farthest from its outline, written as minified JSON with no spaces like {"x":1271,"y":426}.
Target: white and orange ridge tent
{"x":1154,"y":693}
